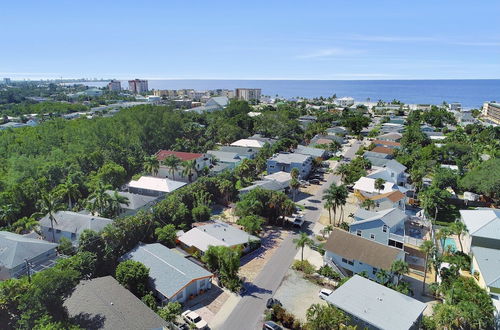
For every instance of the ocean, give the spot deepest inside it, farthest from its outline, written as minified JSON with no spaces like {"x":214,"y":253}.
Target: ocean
{"x":471,"y":93}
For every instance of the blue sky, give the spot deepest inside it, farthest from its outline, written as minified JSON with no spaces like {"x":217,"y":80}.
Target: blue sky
{"x":252,"y":40}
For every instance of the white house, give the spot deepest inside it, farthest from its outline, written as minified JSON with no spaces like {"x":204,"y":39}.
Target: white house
{"x":153,"y":186}
{"x":201,"y":161}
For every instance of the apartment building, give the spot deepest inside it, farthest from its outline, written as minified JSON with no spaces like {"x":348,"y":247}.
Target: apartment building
{"x":138,"y":86}
{"x":248,"y":94}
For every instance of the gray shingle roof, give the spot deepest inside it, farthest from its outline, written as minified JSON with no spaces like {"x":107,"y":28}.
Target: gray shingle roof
{"x":395,"y":166}
{"x":314,"y":152}
{"x":372,"y":154}
{"x":75,"y":222}
{"x":15,"y":248}
{"x":102,"y":303}
{"x":482,"y":222}
{"x":377,"y":305}
{"x":289,"y":158}
{"x":136,"y":201}
{"x":488,"y":261}
{"x":390,"y":217}
{"x":225,"y":156}
{"x":242,"y":151}
{"x":376,"y":161}
{"x":169,"y":271}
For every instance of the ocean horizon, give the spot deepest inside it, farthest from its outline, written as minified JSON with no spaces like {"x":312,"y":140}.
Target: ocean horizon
{"x":471,"y":93}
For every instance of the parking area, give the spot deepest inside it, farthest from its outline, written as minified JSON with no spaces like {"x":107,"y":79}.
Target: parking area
{"x":297,"y":294}
{"x":208,"y":304}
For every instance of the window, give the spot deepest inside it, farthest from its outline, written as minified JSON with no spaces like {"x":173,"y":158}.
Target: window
{"x":50,"y":229}
{"x":358,"y":232}
{"x":271,"y":166}
{"x":384,"y":229}
{"x":372,"y":236}
{"x":392,"y":175}
{"x":73,"y":235}
{"x":374,"y":271}
{"x":58,"y":230}
{"x":350,"y":262}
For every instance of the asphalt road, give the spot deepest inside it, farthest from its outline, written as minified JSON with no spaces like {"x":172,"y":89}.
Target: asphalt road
{"x":248,"y":312}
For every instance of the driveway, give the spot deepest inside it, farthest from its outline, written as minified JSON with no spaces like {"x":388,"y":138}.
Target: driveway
{"x":248,"y":312}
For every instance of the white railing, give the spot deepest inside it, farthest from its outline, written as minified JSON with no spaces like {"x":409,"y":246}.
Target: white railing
{"x":396,"y":237}
{"x":413,"y":240}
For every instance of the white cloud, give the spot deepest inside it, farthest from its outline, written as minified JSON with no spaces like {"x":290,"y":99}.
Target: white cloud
{"x":390,"y":38}
{"x":329,"y":52}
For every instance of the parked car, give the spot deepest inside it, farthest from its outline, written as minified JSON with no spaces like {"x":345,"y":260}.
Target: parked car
{"x":314,"y":181}
{"x":270,"y":325}
{"x":303,"y":183}
{"x":194,"y":319}
{"x":298,"y":222}
{"x":323,"y":293}
{"x":271,"y":302}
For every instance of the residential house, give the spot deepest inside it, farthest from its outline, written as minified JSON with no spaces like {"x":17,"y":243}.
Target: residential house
{"x":153,"y":186}
{"x":344,"y":102}
{"x":201,"y":161}
{"x":387,"y":144}
{"x":465,"y":118}
{"x":172,"y":277}
{"x":483,"y":225}
{"x":243,"y":152}
{"x":383,"y":150}
{"x":365,"y":188}
{"x":394,"y":137}
{"x":325,"y":139}
{"x":103,"y":303}
{"x":261,"y":138}
{"x":232,"y":159}
{"x":313,"y":152}
{"x":16,"y":250}
{"x":355,"y":254}
{"x":136,"y":202}
{"x":305,"y":121}
{"x":338,"y":130}
{"x":426,"y":128}
{"x":386,"y":227}
{"x":394,"y":199}
{"x":375,"y":159}
{"x":393,"y":171}
{"x":249,"y":143}
{"x":213,"y":104}
{"x":373,"y":306}
{"x":216,"y":233}
{"x":279,"y":181}
{"x":286,"y":161}
{"x":70,"y":225}
{"x":485,"y":265}
{"x":391,"y":128}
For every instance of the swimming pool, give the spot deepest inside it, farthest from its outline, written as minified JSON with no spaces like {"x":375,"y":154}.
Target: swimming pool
{"x":449,"y":243}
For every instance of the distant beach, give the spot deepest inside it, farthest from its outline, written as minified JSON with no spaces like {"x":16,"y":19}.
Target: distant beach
{"x":471,"y":93}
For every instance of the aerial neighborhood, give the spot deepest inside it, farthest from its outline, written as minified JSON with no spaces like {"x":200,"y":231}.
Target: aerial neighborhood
{"x":139,"y":208}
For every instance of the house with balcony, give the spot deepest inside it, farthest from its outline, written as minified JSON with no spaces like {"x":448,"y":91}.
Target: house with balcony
{"x":285,"y":162}
{"x":385,"y":227}
{"x":355,"y":254}
{"x":153,"y":186}
{"x":394,"y":199}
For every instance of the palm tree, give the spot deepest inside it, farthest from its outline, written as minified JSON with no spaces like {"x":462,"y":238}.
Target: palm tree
{"x":368,"y":204}
{"x":6,"y":213}
{"x":342,"y":170}
{"x":49,"y":205}
{"x":70,"y":190}
{"x":330,"y":202}
{"x":189,"y":169}
{"x":99,"y":200}
{"x":151,"y":165}
{"x":301,"y":242}
{"x":341,"y":194}
{"x":25,"y":225}
{"x":379,"y":184}
{"x":459,"y":228}
{"x":294,"y":173}
{"x":399,"y":268}
{"x":294,"y":184}
{"x":225,"y":187}
{"x":172,"y":163}
{"x":327,"y":230}
{"x":383,"y":276}
{"x":442,"y":234}
{"x":427,"y":248}
{"x":115,"y":203}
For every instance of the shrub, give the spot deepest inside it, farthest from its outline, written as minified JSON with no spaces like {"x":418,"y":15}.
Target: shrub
{"x":327,"y":271}
{"x":304,"y":266}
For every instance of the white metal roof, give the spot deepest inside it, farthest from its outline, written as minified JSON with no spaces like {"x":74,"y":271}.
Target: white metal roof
{"x":156,"y":184}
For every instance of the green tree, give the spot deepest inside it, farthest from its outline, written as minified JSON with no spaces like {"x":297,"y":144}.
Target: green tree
{"x":459,"y":229}
{"x":251,"y":223}
{"x":302,"y":241}
{"x":171,"y":311}
{"x":225,"y":262}
{"x":65,"y":247}
{"x":379,"y":184}
{"x":368,"y":204}
{"x":399,"y":268}
{"x":295,"y":185}
{"x":225,"y":189}
{"x":342,"y":170}
{"x":429,"y":250}
{"x":325,"y":317}
{"x":151,"y":165}
{"x":150,"y":301}
{"x":172,"y":163}
{"x":115,"y":204}
{"x":133,"y":275}
{"x":69,"y":190}
{"x":189,"y":169}
{"x":166,"y":235}
{"x":99,"y":200}
{"x":49,"y":206}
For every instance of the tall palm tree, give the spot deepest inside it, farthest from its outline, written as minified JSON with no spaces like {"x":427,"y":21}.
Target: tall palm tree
{"x":341,"y":194}
{"x":49,"y":205}
{"x":399,"y":268}
{"x":69,"y":190}
{"x":383,"y":276}
{"x":294,"y":173}
{"x":428,"y":249}
{"x":189,"y":169}
{"x":172,"y":163}
{"x":115,"y":203}
{"x":327,"y":230}
{"x":379,"y":184}
{"x":342,"y":170}
{"x":225,"y":187}
{"x":99,"y":200}
{"x":151,"y":165}
{"x":459,"y":229}
{"x":295,"y":185}
{"x":301,"y":242}
{"x":330,"y":201}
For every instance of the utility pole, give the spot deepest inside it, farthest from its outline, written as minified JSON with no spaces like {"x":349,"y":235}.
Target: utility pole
{"x":28,"y":268}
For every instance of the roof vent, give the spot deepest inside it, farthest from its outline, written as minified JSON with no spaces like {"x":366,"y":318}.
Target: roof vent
{"x":111,"y":303}
{"x":224,"y":229}
{"x":223,"y":239}
{"x":204,"y":229}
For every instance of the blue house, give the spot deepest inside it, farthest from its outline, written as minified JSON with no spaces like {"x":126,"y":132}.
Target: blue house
{"x":386,"y":227}
{"x":354,"y":254}
{"x":286,"y":161}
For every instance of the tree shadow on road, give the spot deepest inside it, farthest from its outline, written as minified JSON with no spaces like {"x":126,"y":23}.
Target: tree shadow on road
{"x":252,"y":290}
